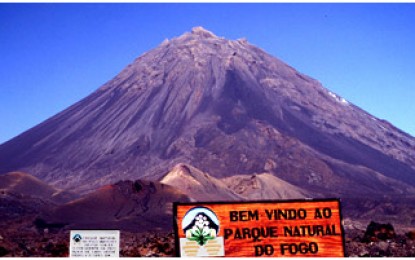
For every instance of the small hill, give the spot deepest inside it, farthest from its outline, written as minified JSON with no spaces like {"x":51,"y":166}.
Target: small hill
{"x":201,"y":186}
{"x":198,"y":185}
{"x":127,"y":205}
{"x":20,"y":183}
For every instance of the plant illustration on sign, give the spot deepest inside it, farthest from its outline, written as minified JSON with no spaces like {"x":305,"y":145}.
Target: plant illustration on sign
{"x":201,"y":232}
{"x":201,"y":227}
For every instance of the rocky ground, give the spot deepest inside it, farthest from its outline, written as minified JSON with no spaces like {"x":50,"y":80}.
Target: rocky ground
{"x":27,"y":241}
{"x":32,"y":244}
{"x":401,"y":245}
{"x":21,"y":238}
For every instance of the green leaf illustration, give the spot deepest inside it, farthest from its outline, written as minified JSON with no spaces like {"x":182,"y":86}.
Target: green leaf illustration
{"x":200,"y":236}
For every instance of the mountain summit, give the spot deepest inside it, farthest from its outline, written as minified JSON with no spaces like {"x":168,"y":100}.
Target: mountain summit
{"x":225,"y":107}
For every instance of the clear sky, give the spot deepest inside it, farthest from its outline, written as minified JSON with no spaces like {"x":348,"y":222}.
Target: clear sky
{"x":53,"y":55}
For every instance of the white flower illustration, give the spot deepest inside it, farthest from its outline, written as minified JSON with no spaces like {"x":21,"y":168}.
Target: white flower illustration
{"x":201,"y":232}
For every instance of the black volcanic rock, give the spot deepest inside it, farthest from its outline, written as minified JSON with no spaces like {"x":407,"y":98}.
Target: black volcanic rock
{"x":225,"y":107}
{"x":377,"y":231}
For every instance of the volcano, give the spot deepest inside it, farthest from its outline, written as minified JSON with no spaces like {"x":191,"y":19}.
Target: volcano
{"x":227,"y":108}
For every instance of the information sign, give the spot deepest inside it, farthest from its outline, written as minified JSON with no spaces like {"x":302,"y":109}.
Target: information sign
{"x":94,"y":243}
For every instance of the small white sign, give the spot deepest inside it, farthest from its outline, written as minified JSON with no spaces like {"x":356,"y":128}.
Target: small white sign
{"x":94,"y":243}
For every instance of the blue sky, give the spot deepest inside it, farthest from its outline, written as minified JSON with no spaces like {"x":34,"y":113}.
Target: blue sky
{"x":53,"y":55}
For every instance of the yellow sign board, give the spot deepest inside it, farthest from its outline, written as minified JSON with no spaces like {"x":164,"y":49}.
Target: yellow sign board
{"x":296,"y":228}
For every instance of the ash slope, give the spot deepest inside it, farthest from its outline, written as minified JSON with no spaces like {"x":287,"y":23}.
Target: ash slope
{"x":225,"y":107}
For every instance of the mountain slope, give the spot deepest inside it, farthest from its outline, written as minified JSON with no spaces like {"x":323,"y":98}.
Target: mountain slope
{"x":225,"y":107}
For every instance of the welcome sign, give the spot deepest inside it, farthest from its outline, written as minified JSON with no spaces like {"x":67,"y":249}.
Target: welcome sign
{"x":296,"y":228}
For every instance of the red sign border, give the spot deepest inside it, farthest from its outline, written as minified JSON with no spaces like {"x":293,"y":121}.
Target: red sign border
{"x":176,"y":204}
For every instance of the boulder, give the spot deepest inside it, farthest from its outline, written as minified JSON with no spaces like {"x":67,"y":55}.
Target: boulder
{"x":378,"y":232}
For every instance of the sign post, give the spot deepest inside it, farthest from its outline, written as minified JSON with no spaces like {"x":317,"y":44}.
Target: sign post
{"x":295,"y":228}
